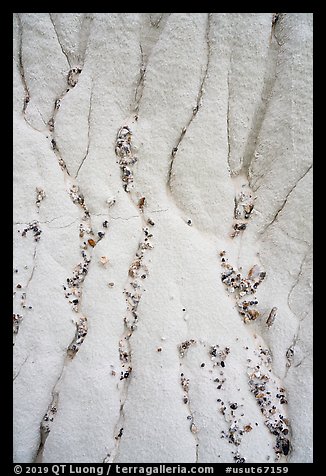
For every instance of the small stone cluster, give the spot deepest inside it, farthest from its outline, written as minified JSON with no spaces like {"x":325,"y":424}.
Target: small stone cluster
{"x":270,"y":397}
{"x":74,"y":292}
{"x":218,"y":356}
{"x":78,"y":198}
{"x":48,"y":418}
{"x":241,"y":286}
{"x":73,"y":286}
{"x":184,"y":346}
{"x":244,"y":205}
{"x":75,"y":282}
{"x":137,"y":271}
{"x":124,"y":353}
{"x":185,"y":386}
{"x":238,"y":458}
{"x":185,"y":382}
{"x":74,"y":296}
{"x":126,"y":158}
{"x":133,"y":292}
{"x":33,"y":226}
{"x":235,"y":430}
{"x":81,"y":332}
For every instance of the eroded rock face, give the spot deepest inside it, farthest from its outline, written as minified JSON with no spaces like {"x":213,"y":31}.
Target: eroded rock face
{"x":162,"y":237}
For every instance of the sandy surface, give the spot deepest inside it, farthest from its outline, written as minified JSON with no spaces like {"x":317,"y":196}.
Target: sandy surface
{"x":162,"y":237}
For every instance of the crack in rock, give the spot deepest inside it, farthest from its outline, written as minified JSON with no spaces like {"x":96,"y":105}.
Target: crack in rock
{"x":59,"y":41}
{"x":290,"y":353}
{"x":155,"y":23}
{"x":228,"y":122}
{"x":140,"y":85}
{"x":72,"y":80}
{"x":47,"y":421}
{"x":83,"y":34}
{"x":235,"y":431}
{"x":48,"y":221}
{"x":263,"y":231}
{"x":73,"y":286}
{"x":20,"y":368}
{"x":34,"y":267}
{"x":89,"y":129}
{"x":218,"y":357}
{"x":267,"y":391}
{"x":297,"y":279}
{"x":145,"y":55}
{"x":73,"y":292}
{"x":198,"y":103}
{"x":261,"y":110}
{"x":21,"y":65}
{"x":27,"y":96}
{"x":185,"y":383}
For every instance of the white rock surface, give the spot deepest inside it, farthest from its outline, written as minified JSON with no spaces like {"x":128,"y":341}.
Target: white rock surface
{"x":217,"y":104}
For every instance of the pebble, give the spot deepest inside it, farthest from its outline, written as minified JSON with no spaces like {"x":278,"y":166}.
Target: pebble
{"x":193,"y":428}
{"x":271,"y":318}
{"x":111,"y":201}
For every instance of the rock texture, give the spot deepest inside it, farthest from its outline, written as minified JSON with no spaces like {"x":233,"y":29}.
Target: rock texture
{"x":162,"y":237}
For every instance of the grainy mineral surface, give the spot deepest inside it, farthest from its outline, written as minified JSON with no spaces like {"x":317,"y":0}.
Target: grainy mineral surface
{"x":162,"y":267}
